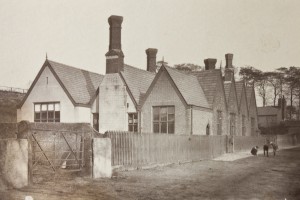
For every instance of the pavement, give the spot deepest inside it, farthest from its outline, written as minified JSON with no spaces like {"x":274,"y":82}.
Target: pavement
{"x":244,"y":154}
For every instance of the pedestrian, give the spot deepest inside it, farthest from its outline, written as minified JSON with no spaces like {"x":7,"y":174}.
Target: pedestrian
{"x":266,"y":150}
{"x":275,"y":147}
{"x":254,"y":150}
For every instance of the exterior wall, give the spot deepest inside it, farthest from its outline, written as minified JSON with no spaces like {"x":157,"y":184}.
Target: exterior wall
{"x":114,"y":104}
{"x":219,"y":104}
{"x":164,"y":94}
{"x":253,"y":114}
{"x":232,"y":108}
{"x":243,"y":111}
{"x":50,"y":92}
{"x":267,"y":120}
{"x":200,"y":120}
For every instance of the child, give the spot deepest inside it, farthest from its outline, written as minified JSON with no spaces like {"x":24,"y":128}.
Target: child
{"x":266,"y":149}
{"x":254,"y":150}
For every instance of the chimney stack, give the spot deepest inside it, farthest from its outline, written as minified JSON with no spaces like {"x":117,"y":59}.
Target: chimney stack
{"x":229,"y":70}
{"x":210,"y":63}
{"x":151,"y":59}
{"x":114,"y":56}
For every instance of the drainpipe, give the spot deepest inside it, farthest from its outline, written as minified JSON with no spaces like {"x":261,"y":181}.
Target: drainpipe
{"x":191,"y":120}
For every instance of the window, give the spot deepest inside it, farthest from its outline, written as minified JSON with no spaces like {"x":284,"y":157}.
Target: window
{"x":207,"y":129}
{"x":243,"y":125}
{"x":252,"y":126}
{"x":219,"y":123}
{"x":232,"y":123}
{"x":133,"y":122}
{"x":164,"y":119}
{"x":46,"y":112}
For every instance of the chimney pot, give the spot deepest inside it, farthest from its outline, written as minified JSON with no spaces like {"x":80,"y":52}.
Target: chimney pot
{"x":151,"y":59}
{"x":229,"y":57}
{"x":210,"y":63}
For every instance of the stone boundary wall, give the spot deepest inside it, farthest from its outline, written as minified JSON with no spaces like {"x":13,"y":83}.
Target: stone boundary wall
{"x":8,"y":130}
{"x":288,"y":140}
{"x":13,"y":163}
{"x":245,"y":143}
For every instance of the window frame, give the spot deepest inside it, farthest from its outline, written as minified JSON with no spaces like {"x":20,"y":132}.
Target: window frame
{"x":134,"y":125}
{"x":42,"y":114}
{"x":163,"y":119}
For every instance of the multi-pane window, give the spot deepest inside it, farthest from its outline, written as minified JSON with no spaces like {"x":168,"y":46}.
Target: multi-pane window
{"x":219,"y":123}
{"x":232,"y":124}
{"x":133,"y":122}
{"x":243,"y":125}
{"x":252,"y":126}
{"x":46,"y":112}
{"x":164,"y":119}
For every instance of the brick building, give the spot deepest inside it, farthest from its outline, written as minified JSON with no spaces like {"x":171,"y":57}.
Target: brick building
{"x":127,"y":98}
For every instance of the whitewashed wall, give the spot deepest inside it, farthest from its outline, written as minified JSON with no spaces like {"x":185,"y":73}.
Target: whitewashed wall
{"x":43,"y":92}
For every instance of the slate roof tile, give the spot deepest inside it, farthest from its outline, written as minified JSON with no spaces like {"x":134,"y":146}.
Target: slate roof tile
{"x":239,"y":89}
{"x":81,"y":84}
{"x":208,"y":80}
{"x":189,"y":87}
{"x":138,"y":81}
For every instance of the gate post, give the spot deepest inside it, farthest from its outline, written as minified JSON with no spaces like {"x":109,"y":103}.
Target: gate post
{"x":102,"y":158}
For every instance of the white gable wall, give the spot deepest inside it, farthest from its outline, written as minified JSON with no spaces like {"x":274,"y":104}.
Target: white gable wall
{"x":52,"y":92}
{"x":114,"y":104}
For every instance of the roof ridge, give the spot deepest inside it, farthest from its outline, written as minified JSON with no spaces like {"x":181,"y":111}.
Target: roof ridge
{"x":179,"y":71}
{"x":73,"y":67}
{"x":138,"y":68}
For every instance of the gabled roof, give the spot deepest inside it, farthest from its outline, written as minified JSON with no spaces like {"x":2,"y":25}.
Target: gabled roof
{"x":189,"y":87}
{"x":227,"y":87}
{"x":137,"y":81}
{"x":268,"y":110}
{"x":81,"y":86}
{"x":249,"y":91}
{"x":239,"y":89}
{"x":209,"y":81}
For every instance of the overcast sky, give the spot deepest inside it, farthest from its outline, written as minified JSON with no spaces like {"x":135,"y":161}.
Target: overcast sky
{"x":264,"y":34}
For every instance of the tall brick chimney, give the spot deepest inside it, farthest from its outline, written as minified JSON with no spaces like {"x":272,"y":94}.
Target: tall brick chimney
{"x":210,"y":63}
{"x":114,"y":56}
{"x":229,"y":70}
{"x":151,"y":59}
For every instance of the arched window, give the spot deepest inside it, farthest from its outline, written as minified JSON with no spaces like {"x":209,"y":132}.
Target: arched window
{"x":207,"y":129}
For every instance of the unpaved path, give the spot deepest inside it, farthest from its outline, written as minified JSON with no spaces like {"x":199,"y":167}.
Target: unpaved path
{"x":247,"y":178}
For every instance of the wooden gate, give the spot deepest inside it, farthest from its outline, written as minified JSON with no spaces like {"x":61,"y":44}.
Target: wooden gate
{"x":53,"y":151}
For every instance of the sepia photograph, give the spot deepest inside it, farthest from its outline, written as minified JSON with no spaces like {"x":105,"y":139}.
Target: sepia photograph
{"x":149,"y":100}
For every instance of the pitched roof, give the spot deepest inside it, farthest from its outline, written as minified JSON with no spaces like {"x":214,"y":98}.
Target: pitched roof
{"x":137,"y":81}
{"x":239,"y":89}
{"x":268,"y":110}
{"x":80,"y":85}
{"x":249,"y":91}
{"x":189,"y":87}
{"x":227,"y":86}
{"x":208,"y":80}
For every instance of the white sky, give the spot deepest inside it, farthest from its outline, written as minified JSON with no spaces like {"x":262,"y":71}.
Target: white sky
{"x":264,"y":34}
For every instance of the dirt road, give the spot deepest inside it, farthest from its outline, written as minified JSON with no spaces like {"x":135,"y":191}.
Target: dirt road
{"x":248,"y":178}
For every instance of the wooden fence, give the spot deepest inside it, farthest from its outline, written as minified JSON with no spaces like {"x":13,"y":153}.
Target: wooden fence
{"x":137,"y":149}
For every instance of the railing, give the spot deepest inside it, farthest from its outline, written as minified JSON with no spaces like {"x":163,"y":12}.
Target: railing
{"x":13,"y":89}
